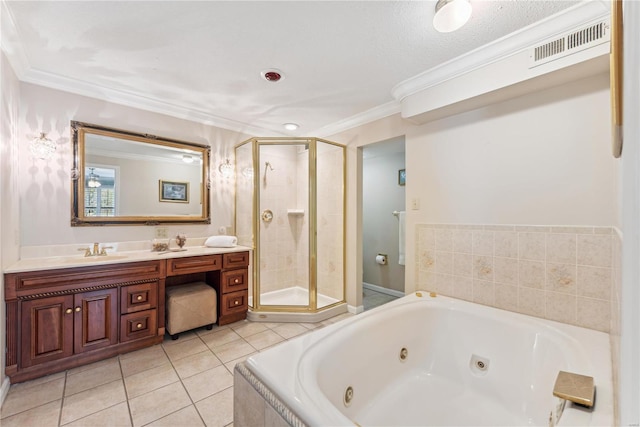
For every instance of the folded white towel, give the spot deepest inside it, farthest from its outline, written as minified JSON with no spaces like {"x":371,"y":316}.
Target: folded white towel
{"x":401,"y":237}
{"x":221,"y":241}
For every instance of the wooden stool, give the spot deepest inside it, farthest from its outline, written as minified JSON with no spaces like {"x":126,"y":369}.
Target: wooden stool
{"x":190,"y":306}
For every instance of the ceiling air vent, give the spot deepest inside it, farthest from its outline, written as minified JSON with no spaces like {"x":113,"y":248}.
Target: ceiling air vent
{"x":569,"y":43}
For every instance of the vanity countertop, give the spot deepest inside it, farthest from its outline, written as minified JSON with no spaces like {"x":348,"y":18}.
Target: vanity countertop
{"x":118,"y":257}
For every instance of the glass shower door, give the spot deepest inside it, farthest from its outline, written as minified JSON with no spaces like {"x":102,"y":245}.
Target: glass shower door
{"x":283,"y":209}
{"x":330,"y":170}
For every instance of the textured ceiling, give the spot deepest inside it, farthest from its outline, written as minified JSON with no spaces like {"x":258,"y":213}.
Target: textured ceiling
{"x":339,"y":59}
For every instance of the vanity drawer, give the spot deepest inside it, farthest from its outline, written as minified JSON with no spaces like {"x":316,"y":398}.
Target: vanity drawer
{"x":195,"y":264}
{"x":138,"y":297}
{"x":138,"y":325}
{"x":234,"y":302}
{"x":235,"y":259}
{"x":234,"y":280}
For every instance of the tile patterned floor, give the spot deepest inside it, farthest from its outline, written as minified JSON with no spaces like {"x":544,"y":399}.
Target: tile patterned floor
{"x":187,"y":382}
{"x":372,"y":299}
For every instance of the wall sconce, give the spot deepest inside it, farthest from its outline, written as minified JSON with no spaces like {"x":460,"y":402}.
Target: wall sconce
{"x":451,"y":15}
{"x":93,"y":182}
{"x":42,"y":147}
{"x":226,"y":169}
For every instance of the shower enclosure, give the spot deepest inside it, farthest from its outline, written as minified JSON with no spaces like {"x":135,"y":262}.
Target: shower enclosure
{"x":290,"y":208}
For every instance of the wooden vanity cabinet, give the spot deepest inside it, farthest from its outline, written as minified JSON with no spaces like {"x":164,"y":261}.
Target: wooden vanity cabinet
{"x":232,"y":285}
{"x":62,"y":318}
{"x":57,"y":327}
{"x":59,"y":319}
{"x":227,"y":273}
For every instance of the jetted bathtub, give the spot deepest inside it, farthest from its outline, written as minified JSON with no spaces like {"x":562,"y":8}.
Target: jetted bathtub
{"x":436,"y":361}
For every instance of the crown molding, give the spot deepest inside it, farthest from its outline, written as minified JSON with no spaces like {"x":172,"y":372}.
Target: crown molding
{"x":376,"y":113}
{"x":583,"y":13}
{"x":79,"y":87}
{"x":10,"y":42}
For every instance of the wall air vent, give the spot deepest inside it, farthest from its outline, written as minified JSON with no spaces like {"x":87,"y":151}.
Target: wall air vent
{"x":567,"y":44}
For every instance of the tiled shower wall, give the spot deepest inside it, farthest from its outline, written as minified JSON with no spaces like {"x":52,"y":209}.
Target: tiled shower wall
{"x":558,"y":273}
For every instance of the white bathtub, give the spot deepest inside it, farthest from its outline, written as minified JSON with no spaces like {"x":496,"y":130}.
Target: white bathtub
{"x":438,"y":382}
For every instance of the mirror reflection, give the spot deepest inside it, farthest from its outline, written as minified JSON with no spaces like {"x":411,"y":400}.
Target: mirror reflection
{"x":124,"y":177}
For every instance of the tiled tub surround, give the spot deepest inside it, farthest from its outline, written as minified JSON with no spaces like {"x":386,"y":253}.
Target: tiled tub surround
{"x":562,"y":273}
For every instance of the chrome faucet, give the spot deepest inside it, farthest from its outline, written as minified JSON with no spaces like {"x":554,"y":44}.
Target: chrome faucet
{"x":97,"y":251}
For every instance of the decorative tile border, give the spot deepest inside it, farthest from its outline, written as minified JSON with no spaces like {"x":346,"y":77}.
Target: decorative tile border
{"x":269,"y":398}
{"x":561,"y":273}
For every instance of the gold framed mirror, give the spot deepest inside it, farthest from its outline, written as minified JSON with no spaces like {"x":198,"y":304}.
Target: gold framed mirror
{"x":121,"y":177}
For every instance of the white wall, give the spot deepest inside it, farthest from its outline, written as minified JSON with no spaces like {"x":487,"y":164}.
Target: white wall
{"x":629,"y":371}
{"x":45,"y":185}
{"x":9,"y":219}
{"x":540,"y":159}
{"x":381,"y":195}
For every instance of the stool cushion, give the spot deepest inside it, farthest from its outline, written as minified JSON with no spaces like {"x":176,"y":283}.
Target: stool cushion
{"x":190,"y":306}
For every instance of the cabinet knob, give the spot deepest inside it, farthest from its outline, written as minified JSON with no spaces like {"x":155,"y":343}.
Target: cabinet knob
{"x":139,"y":325}
{"x":236,"y":302}
{"x":78,"y":309}
{"x":236,"y":281}
{"x":139,"y":297}
{"x":68,"y":311}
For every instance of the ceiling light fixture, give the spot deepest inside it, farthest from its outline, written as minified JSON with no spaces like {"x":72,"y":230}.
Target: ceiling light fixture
{"x":187,"y":158}
{"x":451,"y":15}
{"x":93,"y":182}
{"x":291,"y":126}
{"x":226,"y":169}
{"x":42,"y":147}
{"x":272,"y":75}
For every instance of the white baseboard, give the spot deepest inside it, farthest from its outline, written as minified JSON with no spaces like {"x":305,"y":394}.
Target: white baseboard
{"x":355,"y":310}
{"x":4,"y":390}
{"x":382,"y":290}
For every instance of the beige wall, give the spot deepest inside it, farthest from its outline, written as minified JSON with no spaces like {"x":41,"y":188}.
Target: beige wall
{"x":542,"y":159}
{"x":9,"y":215}
{"x":45,"y":185}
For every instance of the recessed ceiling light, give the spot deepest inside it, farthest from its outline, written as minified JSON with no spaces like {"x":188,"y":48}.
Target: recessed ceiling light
{"x":291,"y":126}
{"x":272,"y":75}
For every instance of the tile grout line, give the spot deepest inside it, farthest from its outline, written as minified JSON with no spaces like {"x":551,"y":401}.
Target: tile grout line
{"x":126,"y":392}
{"x":64,"y":387}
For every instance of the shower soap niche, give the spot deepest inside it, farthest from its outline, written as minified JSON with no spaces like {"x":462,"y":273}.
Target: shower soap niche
{"x":295,"y":212}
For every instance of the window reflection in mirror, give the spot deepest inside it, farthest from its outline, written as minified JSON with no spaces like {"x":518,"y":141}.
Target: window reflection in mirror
{"x":100,"y":191}
{"x":122,"y":176}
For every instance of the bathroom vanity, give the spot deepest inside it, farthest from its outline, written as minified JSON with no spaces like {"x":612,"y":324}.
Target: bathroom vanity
{"x":73,"y":311}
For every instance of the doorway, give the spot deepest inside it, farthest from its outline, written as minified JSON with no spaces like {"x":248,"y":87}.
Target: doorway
{"x":383,"y":205}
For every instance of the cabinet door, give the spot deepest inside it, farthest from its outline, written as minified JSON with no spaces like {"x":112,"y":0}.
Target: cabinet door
{"x":47,"y":330}
{"x":95,"y":319}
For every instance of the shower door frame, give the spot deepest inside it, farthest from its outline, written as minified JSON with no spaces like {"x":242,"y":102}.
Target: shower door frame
{"x":312,"y":207}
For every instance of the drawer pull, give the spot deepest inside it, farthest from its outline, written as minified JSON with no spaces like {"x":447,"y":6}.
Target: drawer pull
{"x":78,"y":309}
{"x":68,"y":311}
{"x":139,"y":326}
{"x":236,"y":281}
{"x":139,"y":297}
{"x":236,"y":302}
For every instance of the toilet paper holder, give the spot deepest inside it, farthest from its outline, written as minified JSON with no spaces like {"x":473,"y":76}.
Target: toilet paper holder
{"x":381,"y":259}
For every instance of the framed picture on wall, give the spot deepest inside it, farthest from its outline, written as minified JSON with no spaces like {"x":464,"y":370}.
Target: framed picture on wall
{"x":402,"y":177}
{"x":172,"y":191}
